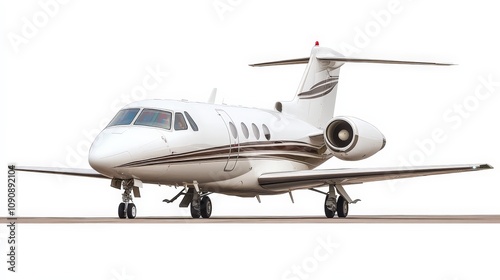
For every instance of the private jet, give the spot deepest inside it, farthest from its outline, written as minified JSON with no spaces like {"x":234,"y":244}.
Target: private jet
{"x":207,"y":148}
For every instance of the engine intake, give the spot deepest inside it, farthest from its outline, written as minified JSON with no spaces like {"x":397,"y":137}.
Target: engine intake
{"x":350,"y":138}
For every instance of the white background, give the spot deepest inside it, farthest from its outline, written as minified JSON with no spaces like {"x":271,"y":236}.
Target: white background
{"x":71,"y":74}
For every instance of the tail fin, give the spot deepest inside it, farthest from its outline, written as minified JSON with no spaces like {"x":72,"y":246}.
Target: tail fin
{"x":317,"y":92}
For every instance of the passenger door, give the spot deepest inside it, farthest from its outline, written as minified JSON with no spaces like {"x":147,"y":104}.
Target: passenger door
{"x":234,"y":140}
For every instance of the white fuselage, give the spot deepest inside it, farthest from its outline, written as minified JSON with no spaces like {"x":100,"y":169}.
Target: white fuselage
{"x":232,"y":147}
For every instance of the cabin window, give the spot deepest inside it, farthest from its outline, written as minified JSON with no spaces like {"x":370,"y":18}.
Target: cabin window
{"x":156,"y":118}
{"x":124,"y":117}
{"x":256,"y":131}
{"x":244,"y":128}
{"x":267,"y":133}
{"x":180,"y":122}
{"x":234,"y":132}
{"x":193,"y":124}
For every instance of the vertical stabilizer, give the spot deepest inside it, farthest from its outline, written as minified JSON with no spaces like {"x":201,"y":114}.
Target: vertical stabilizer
{"x":315,"y":98}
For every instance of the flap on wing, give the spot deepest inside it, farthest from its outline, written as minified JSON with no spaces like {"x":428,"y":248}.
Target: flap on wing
{"x":63,"y":171}
{"x":292,"y":180}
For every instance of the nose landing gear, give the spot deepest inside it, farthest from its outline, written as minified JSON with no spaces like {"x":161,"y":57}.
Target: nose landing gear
{"x":127,"y":208}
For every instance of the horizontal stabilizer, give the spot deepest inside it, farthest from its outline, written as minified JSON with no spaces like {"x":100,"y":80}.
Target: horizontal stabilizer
{"x":283,"y":62}
{"x":380,"y":61}
{"x":347,"y":59}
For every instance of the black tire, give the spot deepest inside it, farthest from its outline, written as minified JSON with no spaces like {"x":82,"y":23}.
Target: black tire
{"x":194,"y":213}
{"x":342,"y":207}
{"x":328,"y":213}
{"x":131,"y":211}
{"x":206,"y":207}
{"x":121,"y":211}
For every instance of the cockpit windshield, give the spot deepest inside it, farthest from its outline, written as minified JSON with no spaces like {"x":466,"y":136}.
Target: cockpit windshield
{"x":124,"y":117}
{"x":157,"y":118}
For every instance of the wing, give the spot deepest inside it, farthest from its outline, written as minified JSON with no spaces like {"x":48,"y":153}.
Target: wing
{"x":63,"y":171}
{"x":293,"y":180}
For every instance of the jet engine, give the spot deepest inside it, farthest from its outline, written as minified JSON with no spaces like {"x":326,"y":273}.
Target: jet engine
{"x":350,"y":138}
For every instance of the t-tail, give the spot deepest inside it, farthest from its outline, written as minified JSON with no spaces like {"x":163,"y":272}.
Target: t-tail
{"x":314,"y":101}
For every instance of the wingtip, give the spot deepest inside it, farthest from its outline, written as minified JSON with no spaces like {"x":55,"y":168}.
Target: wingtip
{"x":483,"y":166}
{"x":486,"y":166}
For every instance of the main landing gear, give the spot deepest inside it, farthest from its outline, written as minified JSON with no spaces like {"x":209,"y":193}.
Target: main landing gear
{"x":200,"y":206}
{"x":340,"y":205}
{"x":198,"y":201}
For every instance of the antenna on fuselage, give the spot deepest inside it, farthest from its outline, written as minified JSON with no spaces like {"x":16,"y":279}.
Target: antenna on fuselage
{"x":213,"y":95}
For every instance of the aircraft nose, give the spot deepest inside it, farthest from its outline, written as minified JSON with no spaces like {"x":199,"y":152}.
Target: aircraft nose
{"x":116,"y":146}
{"x":105,"y":155}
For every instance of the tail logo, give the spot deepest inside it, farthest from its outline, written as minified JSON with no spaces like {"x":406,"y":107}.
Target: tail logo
{"x":320,"y":89}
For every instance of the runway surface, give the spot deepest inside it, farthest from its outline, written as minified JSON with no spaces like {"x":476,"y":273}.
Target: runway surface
{"x":380,"y":219}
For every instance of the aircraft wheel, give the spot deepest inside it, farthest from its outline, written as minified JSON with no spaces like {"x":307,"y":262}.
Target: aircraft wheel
{"x":206,"y":207}
{"x":328,"y":213}
{"x":121,"y":211}
{"x":131,"y":211}
{"x":342,"y":207}
{"x":195,"y":213}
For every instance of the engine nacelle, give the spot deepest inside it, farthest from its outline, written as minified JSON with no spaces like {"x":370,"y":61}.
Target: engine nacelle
{"x":350,"y":138}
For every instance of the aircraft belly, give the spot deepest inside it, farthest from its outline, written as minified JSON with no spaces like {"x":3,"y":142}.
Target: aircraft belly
{"x":241,"y":181}
{"x":247,"y":185}
{"x":201,"y":172}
